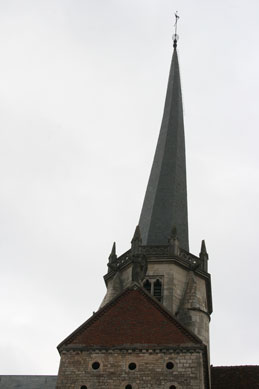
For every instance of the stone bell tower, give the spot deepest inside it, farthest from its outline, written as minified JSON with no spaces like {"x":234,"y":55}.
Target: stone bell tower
{"x":159,"y":251}
{"x":152,"y":328}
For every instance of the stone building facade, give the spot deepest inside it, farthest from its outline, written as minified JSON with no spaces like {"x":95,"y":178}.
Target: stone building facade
{"x":133,"y":342}
{"x":151,"y":369}
{"x":152,"y":328}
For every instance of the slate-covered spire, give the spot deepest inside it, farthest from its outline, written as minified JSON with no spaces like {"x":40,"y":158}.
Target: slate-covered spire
{"x":165,"y":203}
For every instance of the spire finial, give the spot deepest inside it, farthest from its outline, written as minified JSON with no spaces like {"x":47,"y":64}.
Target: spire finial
{"x":175,"y":36}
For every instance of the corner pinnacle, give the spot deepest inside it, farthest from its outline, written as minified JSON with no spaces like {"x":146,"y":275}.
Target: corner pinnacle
{"x":137,"y":235}
{"x":136,"y":242}
{"x":203,"y":248}
{"x":204,"y":256}
{"x":113,"y":256}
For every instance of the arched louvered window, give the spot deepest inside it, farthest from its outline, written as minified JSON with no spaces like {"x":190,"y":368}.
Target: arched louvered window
{"x":147,"y":285}
{"x":158,"y":290}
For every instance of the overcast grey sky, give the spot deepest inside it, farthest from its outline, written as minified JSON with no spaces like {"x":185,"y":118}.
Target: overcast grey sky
{"x":81,"y":99}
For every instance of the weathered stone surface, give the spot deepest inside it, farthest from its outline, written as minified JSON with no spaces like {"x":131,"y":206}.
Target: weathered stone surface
{"x":151,"y":372}
{"x":139,"y":268}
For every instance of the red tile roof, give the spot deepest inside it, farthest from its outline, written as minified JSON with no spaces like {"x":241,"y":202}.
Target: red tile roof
{"x":235,"y":377}
{"x":133,"y":317}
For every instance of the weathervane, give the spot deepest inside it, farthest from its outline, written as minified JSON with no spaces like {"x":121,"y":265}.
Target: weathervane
{"x":175,"y":36}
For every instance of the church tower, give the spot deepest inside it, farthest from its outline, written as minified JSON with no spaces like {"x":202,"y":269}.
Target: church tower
{"x":152,"y":328}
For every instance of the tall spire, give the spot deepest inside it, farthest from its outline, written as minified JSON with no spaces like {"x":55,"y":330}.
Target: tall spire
{"x":165,"y":203}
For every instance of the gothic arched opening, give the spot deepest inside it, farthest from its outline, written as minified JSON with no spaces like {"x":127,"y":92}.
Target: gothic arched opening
{"x":158,"y":290}
{"x":147,"y":285}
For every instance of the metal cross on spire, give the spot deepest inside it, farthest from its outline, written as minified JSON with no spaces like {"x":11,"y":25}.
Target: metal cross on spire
{"x":175,"y":36}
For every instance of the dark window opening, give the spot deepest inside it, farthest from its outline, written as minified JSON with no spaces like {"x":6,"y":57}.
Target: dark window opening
{"x":172,"y":387}
{"x":147,"y":286}
{"x":128,"y":387}
{"x":96,"y":365}
{"x":170,"y":366}
{"x":83,"y":387}
{"x":132,"y":366}
{"x":158,"y":290}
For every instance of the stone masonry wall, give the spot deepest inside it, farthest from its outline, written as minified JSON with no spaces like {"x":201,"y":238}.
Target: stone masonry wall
{"x":151,"y":370}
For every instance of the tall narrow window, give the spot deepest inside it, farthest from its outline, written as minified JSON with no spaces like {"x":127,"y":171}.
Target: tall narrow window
{"x":147,"y":285}
{"x":158,"y":290}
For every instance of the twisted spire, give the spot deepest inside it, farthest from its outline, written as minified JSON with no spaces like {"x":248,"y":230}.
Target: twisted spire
{"x":165,"y":203}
